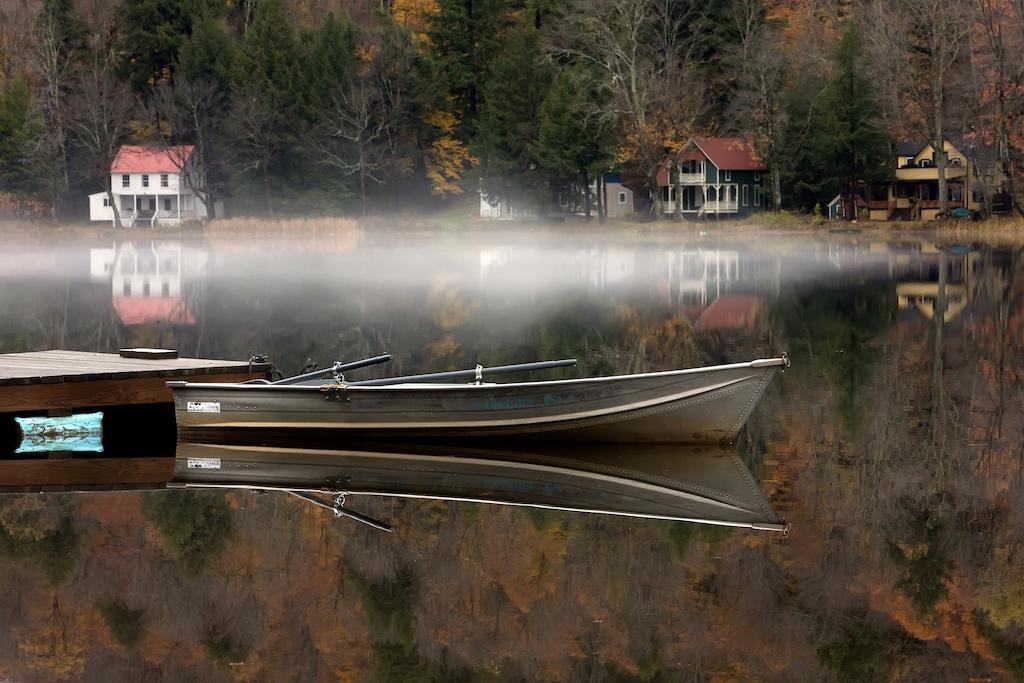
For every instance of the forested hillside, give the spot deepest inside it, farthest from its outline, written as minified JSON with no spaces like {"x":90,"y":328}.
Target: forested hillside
{"x":328,"y":106}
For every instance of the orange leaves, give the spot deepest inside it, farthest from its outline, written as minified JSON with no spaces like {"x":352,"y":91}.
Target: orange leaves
{"x":447,"y":300}
{"x":413,"y":14}
{"x":449,"y":156}
{"x":952,"y":621}
{"x":445,"y":347}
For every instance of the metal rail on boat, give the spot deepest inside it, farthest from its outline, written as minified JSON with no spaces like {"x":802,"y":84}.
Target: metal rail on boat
{"x":477,"y":373}
{"x":335,"y":370}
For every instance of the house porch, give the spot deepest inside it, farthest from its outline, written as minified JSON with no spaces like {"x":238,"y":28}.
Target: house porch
{"x":150,"y":210}
{"x":703,"y":199}
{"x":915,"y":200}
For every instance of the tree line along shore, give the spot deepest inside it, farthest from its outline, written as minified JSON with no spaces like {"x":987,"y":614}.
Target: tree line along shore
{"x":358,"y":107}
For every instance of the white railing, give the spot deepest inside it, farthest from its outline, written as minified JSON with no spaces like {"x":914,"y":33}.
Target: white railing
{"x":174,"y":213}
{"x":711,"y":206}
{"x":720,"y":206}
{"x":691,"y":178}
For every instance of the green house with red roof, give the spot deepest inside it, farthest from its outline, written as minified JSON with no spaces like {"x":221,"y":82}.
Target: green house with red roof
{"x":717,"y":177}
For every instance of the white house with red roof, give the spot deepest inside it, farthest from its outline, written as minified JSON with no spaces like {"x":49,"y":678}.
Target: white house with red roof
{"x":716,"y":177}
{"x":151,"y":186}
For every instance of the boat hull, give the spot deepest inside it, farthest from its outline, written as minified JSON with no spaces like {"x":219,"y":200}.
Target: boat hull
{"x":704,"y":484}
{"x":683,"y":406}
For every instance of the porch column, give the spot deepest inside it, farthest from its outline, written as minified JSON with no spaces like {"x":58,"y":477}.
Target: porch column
{"x":179,"y":207}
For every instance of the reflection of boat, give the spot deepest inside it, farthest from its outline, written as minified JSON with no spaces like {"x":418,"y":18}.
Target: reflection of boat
{"x":688,"y":483}
{"x":698,"y":405}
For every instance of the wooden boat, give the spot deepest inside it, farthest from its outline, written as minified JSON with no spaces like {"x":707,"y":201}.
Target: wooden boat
{"x":699,"y":405}
{"x":706,"y":484}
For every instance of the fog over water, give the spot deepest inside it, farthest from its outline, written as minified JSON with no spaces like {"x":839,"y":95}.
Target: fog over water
{"x":892,"y":446}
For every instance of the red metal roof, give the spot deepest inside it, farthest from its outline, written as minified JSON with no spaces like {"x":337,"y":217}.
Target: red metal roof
{"x":138,"y":159}
{"x":151,"y":309}
{"x":730,"y":154}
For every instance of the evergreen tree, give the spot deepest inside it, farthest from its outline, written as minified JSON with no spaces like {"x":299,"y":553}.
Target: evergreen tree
{"x":572,"y":147}
{"x":509,"y":127}
{"x":267,"y":83}
{"x":155,"y":31}
{"x":208,"y":54}
{"x":196,"y":106}
{"x":805,"y":151}
{"x":859,"y":144}
{"x":835,"y":141}
{"x":15,"y":133}
{"x":465,"y":35}
{"x":332,"y":57}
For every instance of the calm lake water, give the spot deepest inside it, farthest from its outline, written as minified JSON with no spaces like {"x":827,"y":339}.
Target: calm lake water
{"x":893,"y":446}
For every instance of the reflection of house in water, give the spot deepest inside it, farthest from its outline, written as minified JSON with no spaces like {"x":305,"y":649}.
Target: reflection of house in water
{"x":919,"y":272}
{"x":727,"y":286}
{"x":147,"y":279}
{"x":915,"y":266}
{"x":700,"y":276}
{"x":731,"y":312}
{"x":723,"y":289}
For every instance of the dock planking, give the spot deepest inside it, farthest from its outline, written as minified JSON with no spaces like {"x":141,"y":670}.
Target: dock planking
{"x":68,"y":380}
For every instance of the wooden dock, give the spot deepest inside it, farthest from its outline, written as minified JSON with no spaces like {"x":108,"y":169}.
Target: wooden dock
{"x":69,"y":380}
{"x":35,"y":475}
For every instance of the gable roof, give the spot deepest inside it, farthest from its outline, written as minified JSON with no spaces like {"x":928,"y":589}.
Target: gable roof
{"x":909,"y":149}
{"x":959,"y":143}
{"x":730,"y":154}
{"x":139,"y":159}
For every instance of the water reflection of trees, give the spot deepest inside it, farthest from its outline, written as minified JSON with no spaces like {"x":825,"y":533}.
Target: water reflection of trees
{"x":40,"y":529}
{"x":904,"y":563}
{"x":919,"y":513}
{"x":195,"y":525}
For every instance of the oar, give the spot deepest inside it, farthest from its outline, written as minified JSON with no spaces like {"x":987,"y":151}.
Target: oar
{"x":340,"y":511}
{"x":335,"y":369}
{"x":475,"y":374}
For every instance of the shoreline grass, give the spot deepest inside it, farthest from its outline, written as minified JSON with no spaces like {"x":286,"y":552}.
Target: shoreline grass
{"x":458,"y":219}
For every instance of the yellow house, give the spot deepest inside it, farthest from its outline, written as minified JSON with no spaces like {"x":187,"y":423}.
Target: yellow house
{"x":914,"y":194}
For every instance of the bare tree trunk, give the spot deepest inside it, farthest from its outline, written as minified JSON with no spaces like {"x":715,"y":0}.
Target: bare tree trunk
{"x":940,"y":145}
{"x":266,"y":187}
{"x":945,"y":23}
{"x":776,"y":187}
{"x":677,"y":210}
{"x":113,"y":207}
{"x":990,"y":14}
{"x":362,"y":181}
{"x":586,"y":192}
{"x":54,"y":63}
{"x":100,"y":119}
{"x":656,"y":205}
